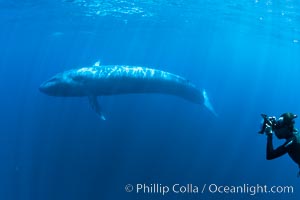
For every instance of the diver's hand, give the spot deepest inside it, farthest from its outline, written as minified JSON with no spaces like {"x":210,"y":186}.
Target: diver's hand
{"x":268,"y":130}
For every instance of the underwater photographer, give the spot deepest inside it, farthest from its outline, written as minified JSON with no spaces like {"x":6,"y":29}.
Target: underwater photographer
{"x":283,"y":128}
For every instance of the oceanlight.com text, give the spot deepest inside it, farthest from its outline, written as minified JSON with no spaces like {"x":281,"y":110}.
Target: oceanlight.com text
{"x":249,"y":189}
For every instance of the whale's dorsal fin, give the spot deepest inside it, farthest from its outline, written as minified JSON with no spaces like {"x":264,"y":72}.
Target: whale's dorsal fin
{"x":96,"y":107}
{"x":97,"y":64}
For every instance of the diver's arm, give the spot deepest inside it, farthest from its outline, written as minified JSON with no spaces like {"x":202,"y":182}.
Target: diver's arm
{"x":274,"y":153}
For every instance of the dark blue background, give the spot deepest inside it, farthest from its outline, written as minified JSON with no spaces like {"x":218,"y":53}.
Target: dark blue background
{"x":246,"y":55}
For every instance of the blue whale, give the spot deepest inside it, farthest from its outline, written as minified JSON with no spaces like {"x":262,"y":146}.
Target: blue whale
{"x":121,"y":79}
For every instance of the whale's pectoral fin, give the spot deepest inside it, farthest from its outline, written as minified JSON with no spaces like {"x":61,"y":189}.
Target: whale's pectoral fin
{"x":207,"y":104}
{"x":96,"y":106}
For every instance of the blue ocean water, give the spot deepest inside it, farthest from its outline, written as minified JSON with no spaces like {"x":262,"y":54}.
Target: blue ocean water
{"x":246,"y":54}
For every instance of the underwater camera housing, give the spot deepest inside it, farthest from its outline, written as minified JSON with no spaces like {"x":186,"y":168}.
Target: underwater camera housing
{"x":271,"y":121}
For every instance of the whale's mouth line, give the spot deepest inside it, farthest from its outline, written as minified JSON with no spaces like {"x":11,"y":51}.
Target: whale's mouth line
{"x":48,"y":88}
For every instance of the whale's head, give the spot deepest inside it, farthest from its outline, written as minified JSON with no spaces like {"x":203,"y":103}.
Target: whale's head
{"x":62,"y":84}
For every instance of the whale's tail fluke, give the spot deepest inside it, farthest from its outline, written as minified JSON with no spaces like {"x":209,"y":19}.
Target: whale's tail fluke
{"x":208,"y":105}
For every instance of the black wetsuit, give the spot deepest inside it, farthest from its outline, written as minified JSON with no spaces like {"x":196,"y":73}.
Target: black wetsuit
{"x":291,"y":146}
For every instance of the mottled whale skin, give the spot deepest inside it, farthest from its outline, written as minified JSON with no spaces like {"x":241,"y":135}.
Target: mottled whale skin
{"x":120,"y":79}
